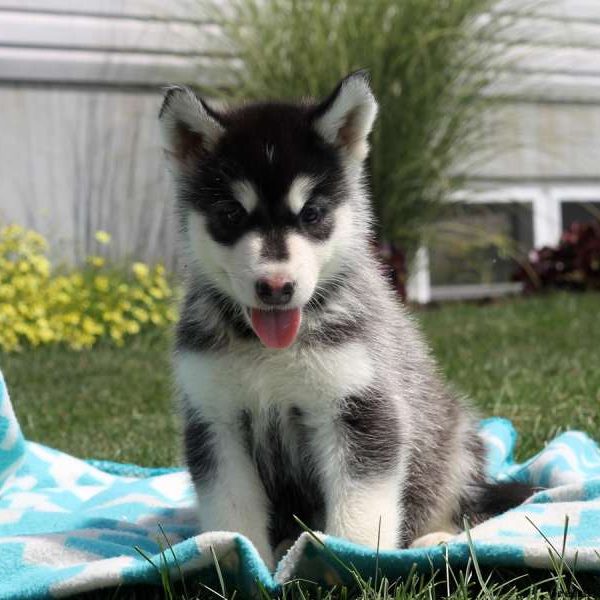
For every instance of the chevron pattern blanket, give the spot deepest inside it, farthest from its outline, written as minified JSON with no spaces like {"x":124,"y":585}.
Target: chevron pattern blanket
{"x":68,"y":525}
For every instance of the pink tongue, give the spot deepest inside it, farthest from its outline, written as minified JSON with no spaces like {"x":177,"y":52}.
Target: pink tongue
{"x":276,"y":328}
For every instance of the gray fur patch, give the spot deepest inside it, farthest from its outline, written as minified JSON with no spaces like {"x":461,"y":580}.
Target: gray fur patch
{"x":199,"y":449}
{"x":291,"y":485}
{"x":371,"y":434}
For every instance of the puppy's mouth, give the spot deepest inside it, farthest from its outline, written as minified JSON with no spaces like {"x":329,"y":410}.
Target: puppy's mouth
{"x":276,"y":328}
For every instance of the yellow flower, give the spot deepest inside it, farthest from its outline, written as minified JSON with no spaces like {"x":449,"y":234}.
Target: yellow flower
{"x":132,"y":327}
{"x":112,"y":315}
{"x":62,"y":298}
{"x":140,"y":270}
{"x":41,"y":264}
{"x":103,"y":237}
{"x":72,"y":318}
{"x":140,"y":314}
{"x":91,"y":328}
{"x":96,"y":261}
{"x":12,"y":230}
{"x":117,"y":335}
{"x":36,"y":240}
{"x":102,"y":283}
{"x":156,"y":318}
{"x":46,"y":335}
{"x":157,"y":293}
{"x":8,"y":311}
{"x":7,"y":291}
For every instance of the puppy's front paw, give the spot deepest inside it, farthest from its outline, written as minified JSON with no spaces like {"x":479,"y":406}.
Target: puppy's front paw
{"x":433,"y":539}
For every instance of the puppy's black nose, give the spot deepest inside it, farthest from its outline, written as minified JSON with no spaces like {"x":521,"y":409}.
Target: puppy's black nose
{"x":275,"y":290}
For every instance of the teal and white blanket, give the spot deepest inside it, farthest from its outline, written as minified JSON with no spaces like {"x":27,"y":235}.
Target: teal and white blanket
{"x":69,"y":525}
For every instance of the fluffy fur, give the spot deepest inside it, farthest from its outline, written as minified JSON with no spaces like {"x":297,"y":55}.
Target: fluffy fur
{"x":352,"y":423}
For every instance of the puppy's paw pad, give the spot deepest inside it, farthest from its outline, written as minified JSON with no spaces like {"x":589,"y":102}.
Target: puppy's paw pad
{"x":433,"y":539}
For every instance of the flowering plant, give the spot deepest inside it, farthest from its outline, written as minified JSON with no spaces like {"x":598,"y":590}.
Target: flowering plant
{"x":40,"y":304}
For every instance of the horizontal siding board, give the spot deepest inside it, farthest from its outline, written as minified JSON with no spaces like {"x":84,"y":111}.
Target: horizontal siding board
{"x":95,"y":48}
{"x":43,"y":65}
{"x":141,"y":9}
{"x":538,"y":59}
{"x":583,"y":10}
{"x":544,"y":88}
{"x":101,"y":33}
{"x":547,"y":32}
{"x":474,"y":291}
{"x":563,"y":10}
{"x":97,"y":32}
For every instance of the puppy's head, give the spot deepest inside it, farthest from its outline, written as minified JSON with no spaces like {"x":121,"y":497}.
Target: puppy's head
{"x":270,"y":196}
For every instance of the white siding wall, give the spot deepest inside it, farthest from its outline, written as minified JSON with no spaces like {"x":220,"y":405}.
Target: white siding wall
{"x":76,"y":160}
{"x":80,"y":89}
{"x":551,"y":128}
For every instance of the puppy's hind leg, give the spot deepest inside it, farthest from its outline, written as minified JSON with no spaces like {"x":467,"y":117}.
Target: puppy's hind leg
{"x":434,"y":538}
{"x":365,"y":512}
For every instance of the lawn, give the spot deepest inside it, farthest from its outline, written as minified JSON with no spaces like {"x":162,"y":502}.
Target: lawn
{"x":535,"y":361}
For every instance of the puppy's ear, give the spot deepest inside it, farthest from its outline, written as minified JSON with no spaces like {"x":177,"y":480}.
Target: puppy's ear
{"x":346,"y":117}
{"x":190,"y":128}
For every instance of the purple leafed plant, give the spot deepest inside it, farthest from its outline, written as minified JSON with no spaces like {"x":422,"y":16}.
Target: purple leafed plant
{"x":574,"y":264}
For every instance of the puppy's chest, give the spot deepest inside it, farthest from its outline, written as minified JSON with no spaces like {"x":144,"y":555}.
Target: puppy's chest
{"x":281,"y":446}
{"x":277,"y":439}
{"x":257,"y":380}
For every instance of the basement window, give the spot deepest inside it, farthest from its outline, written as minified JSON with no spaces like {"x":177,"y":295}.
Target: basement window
{"x":478,"y":249}
{"x":579,"y":212}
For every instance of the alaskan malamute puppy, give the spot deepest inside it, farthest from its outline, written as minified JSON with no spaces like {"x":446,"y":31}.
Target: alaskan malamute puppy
{"x":306,"y":389}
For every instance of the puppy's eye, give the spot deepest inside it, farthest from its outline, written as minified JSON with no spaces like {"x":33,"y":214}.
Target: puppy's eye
{"x":231,"y":215}
{"x":311,"y":215}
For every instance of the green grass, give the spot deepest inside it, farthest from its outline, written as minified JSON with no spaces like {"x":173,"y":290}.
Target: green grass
{"x":535,"y":361}
{"x":111,"y":403}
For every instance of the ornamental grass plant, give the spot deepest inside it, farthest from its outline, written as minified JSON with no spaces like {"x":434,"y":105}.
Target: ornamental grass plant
{"x":430,"y":61}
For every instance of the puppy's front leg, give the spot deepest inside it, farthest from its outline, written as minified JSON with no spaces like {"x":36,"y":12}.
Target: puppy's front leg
{"x":230,"y":494}
{"x":361,"y":467}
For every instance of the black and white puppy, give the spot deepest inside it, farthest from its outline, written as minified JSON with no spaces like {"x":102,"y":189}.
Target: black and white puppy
{"x":305,"y":387}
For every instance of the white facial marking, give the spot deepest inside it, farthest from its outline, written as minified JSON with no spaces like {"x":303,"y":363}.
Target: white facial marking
{"x":210,"y":258}
{"x":245,"y":194}
{"x":299,"y":193}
